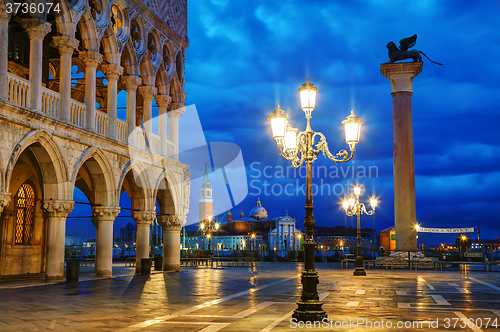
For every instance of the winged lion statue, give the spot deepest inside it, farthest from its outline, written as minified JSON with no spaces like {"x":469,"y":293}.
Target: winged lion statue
{"x":402,"y":53}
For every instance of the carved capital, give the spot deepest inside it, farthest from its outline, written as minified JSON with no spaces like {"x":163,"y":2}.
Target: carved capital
{"x":65,"y":44}
{"x":170,"y":223}
{"x":148,"y":91}
{"x":131,"y":82}
{"x":112,"y":71}
{"x":401,"y":75}
{"x":143,"y":217}
{"x":105,"y":212}
{"x":163,"y":100}
{"x":4,"y":200}
{"x":36,"y":28}
{"x":176,"y":109}
{"x":90,"y":58}
{"x":58,"y":209}
{"x":3,"y":12}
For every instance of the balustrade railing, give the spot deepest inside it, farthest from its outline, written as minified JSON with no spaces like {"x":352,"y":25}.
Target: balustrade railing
{"x":50,"y":103}
{"x":19,"y":89}
{"x":78,"y":113}
{"x":122,"y":130}
{"x":101,"y":122}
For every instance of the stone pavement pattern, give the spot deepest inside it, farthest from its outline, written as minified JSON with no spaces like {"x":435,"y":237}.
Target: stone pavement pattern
{"x":255,"y":299}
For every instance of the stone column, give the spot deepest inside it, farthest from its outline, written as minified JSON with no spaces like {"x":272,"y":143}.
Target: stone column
{"x":91,"y":60}
{"x":171,"y":226}
{"x":131,"y":84}
{"x":142,"y":219}
{"x":112,"y":72}
{"x":4,"y":201}
{"x":163,"y":102}
{"x":176,"y":110}
{"x":66,"y":46}
{"x":37,"y":29}
{"x":4,"y":58}
{"x":148,"y":93}
{"x":104,"y":216}
{"x":401,"y":76}
{"x":56,"y":213}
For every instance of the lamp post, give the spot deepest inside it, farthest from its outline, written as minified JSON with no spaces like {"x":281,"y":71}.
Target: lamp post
{"x":353,"y":207}
{"x":210,"y":228}
{"x":301,"y":148}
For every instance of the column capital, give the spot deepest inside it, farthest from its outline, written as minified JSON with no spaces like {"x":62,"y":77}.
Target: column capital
{"x":4,"y":200}
{"x":36,"y":28}
{"x":131,"y":81}
{"x":148,"y":91}
{"x":401,"y":74}
{"x":59,"y":209}
{"x":143,"y":217}
{"x":90,"y":58}
{"x":112,"y":71}
{"x":176,"y":109}
{"x":163,"y":100}
{"x":65,"y":44}
{"x":105,"y":212}
{"x":170,"y":223}
{"x":3,"y":12}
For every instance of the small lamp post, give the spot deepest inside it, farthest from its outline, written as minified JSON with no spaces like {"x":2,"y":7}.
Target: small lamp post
{"x":353,"y":207}
{"x":208,"y":228}
{"x":301,"y":148}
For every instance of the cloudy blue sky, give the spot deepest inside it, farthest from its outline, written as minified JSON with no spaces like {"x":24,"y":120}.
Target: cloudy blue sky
{"x":247,"y":56}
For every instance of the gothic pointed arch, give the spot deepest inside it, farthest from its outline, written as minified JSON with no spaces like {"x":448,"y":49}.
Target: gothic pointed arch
{"x":51,"y":163}
{"x":93,"y":174}
{"x":135,"y":181}
{"x":166,"y":192}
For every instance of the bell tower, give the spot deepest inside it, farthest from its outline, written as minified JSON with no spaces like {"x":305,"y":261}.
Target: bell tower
{"x":206,"y":200}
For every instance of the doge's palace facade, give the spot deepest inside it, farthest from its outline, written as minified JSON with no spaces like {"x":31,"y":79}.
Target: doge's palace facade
{"x":59,"y":127}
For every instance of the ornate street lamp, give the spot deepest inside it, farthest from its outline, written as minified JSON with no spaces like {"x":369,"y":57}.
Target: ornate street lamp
{"x":208,"y":228}
{"x":305,"y":147}
{"x":353,"y":207}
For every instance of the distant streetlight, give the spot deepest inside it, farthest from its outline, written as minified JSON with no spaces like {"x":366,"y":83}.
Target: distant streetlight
{"x":353,"y":207}
{"x":210,"y":228}
{"x":300,"y":148}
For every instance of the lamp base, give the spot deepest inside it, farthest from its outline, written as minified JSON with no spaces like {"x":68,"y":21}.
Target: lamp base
{"x":309,"y":311}
{"x":359,"y":271}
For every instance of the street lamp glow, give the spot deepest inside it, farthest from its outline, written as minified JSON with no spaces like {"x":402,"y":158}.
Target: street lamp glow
{"x":373,"y":202}
{"x":202,"y":226}
{"x":463,"y":237}
{"x":291,"y":138}
{"x":357,"y":190}
{"x":345,"y":203}
{"x":352,"y":127}
{"x":217,"y":225}
{"x":351,"y":201}
{"x":308,"y":97}
{"x":209,"y":235}
{"x":278,"y":121}
{"x":417,"y":227}
{"x":253,"y":236}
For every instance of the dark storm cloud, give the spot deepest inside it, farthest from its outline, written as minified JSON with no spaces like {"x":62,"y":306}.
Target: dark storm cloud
{"x":247,"y":56}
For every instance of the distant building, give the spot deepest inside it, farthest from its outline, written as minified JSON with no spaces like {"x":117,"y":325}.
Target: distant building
{"x":345,"y":238}
{"x":245,"y":233}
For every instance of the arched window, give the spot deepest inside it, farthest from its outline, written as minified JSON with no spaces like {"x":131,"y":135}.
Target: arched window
{"x":25,"y":204}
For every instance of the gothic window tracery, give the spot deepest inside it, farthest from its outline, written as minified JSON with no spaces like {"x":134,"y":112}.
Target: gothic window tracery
{"x":25,"y":204}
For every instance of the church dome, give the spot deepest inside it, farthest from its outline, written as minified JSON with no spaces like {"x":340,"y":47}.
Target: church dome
{"x":258,"y":212}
